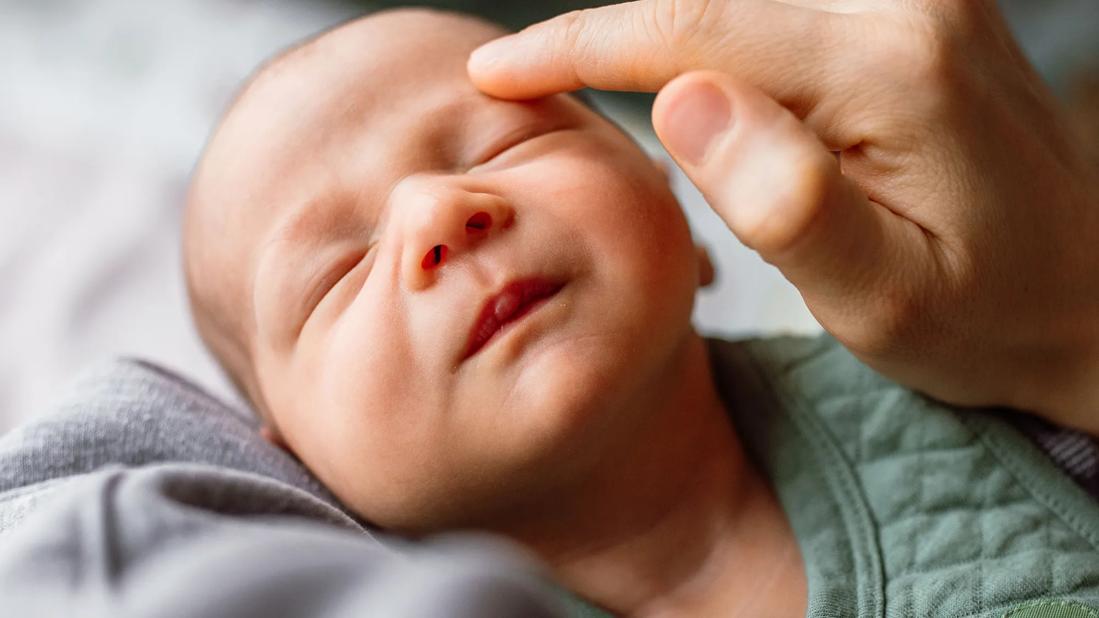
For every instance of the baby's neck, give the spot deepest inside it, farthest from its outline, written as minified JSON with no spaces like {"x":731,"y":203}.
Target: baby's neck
{"x":680,"y":523}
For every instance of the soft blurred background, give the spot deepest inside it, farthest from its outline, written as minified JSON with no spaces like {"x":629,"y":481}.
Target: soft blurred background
{"x":105,"y":106}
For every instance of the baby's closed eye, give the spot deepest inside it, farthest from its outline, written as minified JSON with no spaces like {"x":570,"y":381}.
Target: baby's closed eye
{"x":329,"y":278}
{"x":513,"y":140}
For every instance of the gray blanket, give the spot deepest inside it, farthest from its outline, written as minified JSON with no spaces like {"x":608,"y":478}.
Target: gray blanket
{"x":143,"y":496}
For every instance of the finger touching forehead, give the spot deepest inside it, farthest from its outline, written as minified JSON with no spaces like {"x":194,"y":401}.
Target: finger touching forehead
{"x":378,"y":71}
{"x":275,"y":145}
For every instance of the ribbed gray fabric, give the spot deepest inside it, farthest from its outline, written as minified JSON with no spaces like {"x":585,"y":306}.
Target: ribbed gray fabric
{"x":1075,"y":453}
{"x":133,"y":413}
{"x":152,"y":498}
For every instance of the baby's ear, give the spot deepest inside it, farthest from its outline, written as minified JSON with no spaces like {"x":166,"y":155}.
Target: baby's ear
{"x":272,"y":435}
{"x":705,"y":266}
{"x":662,"y":165}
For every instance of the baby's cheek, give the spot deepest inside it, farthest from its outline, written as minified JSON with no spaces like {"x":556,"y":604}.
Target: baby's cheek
{"x":364,"y":374}
{"x":641,"y":219}
{"x":377,"y":435}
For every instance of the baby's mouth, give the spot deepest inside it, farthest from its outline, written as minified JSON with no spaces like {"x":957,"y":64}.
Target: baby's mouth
{"x":514,"y":301}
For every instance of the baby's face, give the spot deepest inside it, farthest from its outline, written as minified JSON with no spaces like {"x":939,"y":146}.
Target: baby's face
{"x":378,"y":219}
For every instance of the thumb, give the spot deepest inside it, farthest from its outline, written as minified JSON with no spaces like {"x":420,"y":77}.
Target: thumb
{"x":781,"y":193}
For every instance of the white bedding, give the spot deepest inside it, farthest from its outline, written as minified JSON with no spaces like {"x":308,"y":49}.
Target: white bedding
{"x":104,"y":107}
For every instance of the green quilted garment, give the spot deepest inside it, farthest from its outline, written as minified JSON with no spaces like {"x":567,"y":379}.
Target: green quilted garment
{"x":903,"y":506}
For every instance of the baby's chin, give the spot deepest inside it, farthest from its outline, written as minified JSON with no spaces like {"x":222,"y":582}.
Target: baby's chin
{"x":568,"y":403}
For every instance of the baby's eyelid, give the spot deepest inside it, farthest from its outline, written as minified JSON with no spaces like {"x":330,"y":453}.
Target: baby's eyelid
{"x":337,"y":273}
{"x":500,"y":148}
{"x":513,"y":140}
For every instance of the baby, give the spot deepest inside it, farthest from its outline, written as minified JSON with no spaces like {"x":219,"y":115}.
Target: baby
{"x":460,"y":313}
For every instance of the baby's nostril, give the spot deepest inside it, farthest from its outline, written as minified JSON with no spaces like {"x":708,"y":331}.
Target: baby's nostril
{"x":434,"y":257}
{"x":479,"y":221}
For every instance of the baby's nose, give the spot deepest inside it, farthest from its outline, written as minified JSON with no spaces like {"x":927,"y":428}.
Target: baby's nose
{"x":445,"y":223}
{"x":479,"y":223}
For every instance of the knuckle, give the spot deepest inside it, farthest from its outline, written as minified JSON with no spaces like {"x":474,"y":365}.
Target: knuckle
{"x":659,"y":22}
{"x":813,"y":177}
{"x":572,"y":45}
{"x":699,"y":31}
{"x":924,"y":61}
{"x":682,"y":18}
{"x":921,"y":51}
{"x":571,"y":28}
{"x":797,"y":206}
{"x":674,"y":27}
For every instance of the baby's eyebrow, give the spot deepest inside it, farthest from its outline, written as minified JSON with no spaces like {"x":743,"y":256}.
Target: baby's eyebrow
{"x":328,"y":217}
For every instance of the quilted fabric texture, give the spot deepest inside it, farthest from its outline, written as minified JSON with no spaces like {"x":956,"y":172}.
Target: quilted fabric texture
{"x":905,"y":507}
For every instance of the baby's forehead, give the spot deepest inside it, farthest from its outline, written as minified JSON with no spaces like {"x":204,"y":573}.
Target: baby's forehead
{"x":366,"y":84}
{"x":392,"y":65}
{"x":389,"y":52}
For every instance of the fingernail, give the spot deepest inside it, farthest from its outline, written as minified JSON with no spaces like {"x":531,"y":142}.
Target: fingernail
{"x":698,"y":115}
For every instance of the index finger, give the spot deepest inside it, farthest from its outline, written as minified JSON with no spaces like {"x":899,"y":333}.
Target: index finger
{"x":642,"y":45}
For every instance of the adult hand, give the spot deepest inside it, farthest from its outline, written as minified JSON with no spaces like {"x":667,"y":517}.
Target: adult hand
{"x":900,"y":162}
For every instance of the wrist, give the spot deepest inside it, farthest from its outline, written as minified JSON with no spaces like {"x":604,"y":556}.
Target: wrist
{"x":1075,"y":403}
{"x":1063,"y":382}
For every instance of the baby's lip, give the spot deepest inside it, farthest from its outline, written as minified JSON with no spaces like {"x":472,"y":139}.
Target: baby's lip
{"x":513,"y":301}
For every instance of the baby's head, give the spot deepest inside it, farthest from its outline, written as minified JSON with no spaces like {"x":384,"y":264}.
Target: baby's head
{"x":360,"y":226}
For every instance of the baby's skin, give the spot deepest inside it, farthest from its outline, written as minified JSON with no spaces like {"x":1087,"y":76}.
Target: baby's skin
{"x":461,"y":312}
